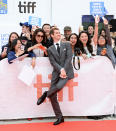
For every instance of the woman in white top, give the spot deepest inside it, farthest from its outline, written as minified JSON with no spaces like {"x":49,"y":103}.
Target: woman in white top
{"x":38,"y":40}
{"x":85,"y":43}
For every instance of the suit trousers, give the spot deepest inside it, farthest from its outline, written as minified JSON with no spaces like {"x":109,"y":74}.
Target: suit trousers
{"x":56,"y":86}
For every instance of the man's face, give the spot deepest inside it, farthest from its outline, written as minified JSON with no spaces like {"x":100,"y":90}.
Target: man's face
{"x":46,"y":28}
{"x":56,"y":36}
{"x":24,"y":29}
{"x":90,"y":30}
{"x":67,"y":33}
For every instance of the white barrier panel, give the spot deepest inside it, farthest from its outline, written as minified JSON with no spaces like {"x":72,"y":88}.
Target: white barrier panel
{"x":89,"y":93}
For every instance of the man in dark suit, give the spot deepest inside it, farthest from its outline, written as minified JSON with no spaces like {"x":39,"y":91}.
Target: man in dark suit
{"x":60,"y":56}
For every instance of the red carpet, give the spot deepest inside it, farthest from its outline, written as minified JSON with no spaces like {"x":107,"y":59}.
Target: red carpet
{"x":107,"y":125}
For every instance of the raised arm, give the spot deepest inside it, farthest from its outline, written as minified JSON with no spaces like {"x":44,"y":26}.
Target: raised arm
{"x":105,"y":21}
{"x":95,"y":37}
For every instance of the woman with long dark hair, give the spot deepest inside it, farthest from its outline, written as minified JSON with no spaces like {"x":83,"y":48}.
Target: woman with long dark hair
{"x":15,"y":52}
{"x":73,"y":38}
{"x":38,"y":40}
{"x":104,"y":47}
{"x":84,"y":44}
{"x":6,"y":48}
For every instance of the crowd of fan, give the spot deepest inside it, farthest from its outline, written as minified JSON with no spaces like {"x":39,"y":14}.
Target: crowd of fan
{"x":89,"y":42}
{"x":34,"y":41}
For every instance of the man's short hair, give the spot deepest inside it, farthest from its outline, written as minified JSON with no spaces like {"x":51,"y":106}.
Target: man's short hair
{"x":89,"y":26}
{"x":45,"y":25}
{"x":52,"y":30}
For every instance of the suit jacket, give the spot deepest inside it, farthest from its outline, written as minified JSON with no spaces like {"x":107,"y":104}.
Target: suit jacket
{"x":62,"y":60}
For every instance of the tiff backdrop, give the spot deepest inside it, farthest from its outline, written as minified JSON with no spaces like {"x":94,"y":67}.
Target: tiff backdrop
{"x":58,"y":12}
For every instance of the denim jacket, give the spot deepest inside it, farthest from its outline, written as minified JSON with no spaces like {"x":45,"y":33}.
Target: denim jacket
{"x":110,"y":53}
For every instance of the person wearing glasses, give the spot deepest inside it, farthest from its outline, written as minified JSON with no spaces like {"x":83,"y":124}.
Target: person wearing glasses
{"x":38,"y":40}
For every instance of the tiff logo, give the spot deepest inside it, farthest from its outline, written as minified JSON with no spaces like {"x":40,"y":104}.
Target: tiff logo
{"x":70,"y":85}
{"x":26,"y":7}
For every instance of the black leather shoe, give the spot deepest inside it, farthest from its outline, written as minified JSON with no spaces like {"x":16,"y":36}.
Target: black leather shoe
{"x":42,"y":98}
{"x":59,"y":120}
{"x":96,"y":117}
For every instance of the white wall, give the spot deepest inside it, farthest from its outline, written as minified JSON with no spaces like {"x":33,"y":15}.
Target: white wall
{"x":60,"y":12}
{"x":10,"y":22}
{"x":69,"y":12}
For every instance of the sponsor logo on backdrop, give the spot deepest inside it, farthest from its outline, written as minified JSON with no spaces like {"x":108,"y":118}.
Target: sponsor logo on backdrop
{"x":26,"y":7}
{"x":3,"y":6}
{"x":70,"y":85}
{"x":98,"y":8}
{"x":4,"y":39}
{"x":34,"y":21}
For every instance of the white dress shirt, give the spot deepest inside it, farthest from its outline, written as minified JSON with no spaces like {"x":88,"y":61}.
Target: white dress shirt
{"x":56,"y":45}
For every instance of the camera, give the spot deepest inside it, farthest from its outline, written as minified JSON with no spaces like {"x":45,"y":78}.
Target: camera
{"x":77,"y":51}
